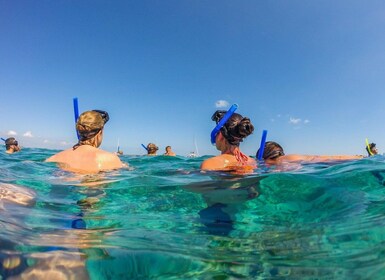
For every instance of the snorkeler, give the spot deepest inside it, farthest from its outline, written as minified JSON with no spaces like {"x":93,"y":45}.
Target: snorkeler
{"x":227,"y":136}
{"x":371,"y":149}
{"x":169,"y":152}
{"x":151,"y":149}
{"x":85,"y":157}
{"x":11,"y":146}
{"x":273,"y":154}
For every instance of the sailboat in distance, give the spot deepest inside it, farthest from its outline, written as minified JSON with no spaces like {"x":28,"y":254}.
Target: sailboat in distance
{"x":195,"y":153}
{"x":192,"y":155}
{"x":119,"y":152}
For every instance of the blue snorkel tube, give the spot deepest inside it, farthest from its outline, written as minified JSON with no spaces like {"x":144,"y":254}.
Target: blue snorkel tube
{"x":76,"y":112}
{"x":262,"y":146}
{"x":144,"y":147}
{"x":222,"y":122}
{"x":3,"y":139}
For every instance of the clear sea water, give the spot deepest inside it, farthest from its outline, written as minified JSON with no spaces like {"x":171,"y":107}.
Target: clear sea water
{"x":164,"y":219}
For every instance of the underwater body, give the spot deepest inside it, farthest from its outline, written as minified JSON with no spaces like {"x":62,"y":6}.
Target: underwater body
{"x":162,"y":218}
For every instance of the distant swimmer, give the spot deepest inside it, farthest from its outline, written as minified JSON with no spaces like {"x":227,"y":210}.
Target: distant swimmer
{"x":230,"y":131}
{"x":11,"y":146}
{"x":169,"y":152}
{"x":273,"y":154}
{"x":85,"y":157}
{"x":152,"y":149}
{"x":371,"y":149}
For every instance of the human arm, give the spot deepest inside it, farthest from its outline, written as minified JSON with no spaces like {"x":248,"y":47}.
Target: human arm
{"x":317,"y":158}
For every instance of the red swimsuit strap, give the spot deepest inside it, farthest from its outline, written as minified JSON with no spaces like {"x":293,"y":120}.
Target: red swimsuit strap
{"x":241,"y":157}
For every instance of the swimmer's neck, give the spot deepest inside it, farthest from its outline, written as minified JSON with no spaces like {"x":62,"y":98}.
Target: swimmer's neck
{"x":230,"y":150}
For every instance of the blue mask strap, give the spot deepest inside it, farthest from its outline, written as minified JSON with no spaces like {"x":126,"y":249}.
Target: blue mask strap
{"x":262,"y":146}
{"x":222,"y":122}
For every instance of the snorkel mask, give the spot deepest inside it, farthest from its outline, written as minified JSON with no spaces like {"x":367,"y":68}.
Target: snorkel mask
{"x":11,"y":142}
{"x":95,"y":127}
{"x":274,"y":154}
{"x":369,"y":147}
{"x":104,"y":115}
{"x":222,"y":122}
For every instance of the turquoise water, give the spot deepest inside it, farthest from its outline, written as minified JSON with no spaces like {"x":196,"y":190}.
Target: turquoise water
{"x":163,"y":219}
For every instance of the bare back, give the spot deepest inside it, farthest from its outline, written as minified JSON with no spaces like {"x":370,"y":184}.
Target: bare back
{"x":86,"y":159}
{"x":228,"y":162}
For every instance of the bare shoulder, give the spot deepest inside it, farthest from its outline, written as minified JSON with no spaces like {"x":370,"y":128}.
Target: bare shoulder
{"x":110,"y":160}
{"x":213,"y":163}
{"x":107,"y":155}
{"x":251,"y":162}
{"x":57,"y":157}
{"x":221,"y":162}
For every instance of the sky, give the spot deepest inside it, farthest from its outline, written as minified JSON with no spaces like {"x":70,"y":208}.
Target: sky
{"x":312,"y":73}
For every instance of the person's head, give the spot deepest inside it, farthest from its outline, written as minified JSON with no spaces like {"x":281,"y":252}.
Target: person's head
{"x":373,"y":149}
{"x":11,"y":145}
{"x":235,"y":129}
{"x":168,"y":149}
{"x":272,"y":151}
{"x":90,"y":126}
{"x":151,"y":149}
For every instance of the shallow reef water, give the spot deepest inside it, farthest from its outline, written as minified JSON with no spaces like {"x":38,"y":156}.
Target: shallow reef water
{"x":162,"y":218}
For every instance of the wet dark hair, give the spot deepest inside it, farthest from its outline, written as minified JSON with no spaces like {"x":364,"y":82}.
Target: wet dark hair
{"x":371,"y":146}
{"x":236,"y":128}
{"x":272,"y":150}
{"x":9,"y":142}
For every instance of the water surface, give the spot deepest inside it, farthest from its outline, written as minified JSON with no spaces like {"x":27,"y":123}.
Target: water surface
{"x":164,"y":219}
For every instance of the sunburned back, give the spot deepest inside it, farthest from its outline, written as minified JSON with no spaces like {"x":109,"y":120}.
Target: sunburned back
{"x":86,"y":159}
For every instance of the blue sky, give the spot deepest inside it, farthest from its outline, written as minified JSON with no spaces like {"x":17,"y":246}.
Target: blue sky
{"x":310,"y":72}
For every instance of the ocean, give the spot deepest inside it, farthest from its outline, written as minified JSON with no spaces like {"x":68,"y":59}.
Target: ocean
{"x":162,"y":218}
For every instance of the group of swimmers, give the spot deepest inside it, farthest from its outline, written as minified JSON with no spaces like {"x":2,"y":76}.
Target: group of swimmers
{"x":85,"y":156}
{"x":232,"y":133}
{"x":232,"y":128}
{"x":152,"y":150}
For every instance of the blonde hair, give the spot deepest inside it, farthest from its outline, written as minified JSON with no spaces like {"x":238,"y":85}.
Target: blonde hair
{"x":89,"y":124}
{"x":151,"y":148}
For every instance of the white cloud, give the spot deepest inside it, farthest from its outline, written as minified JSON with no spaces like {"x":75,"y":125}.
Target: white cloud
{"x":28,"y":134}
{"x":298,"y":121}
{"x":221,"y":104}
{"x":11,"y":133}
{"x":294,"y":120}
{"x":45,"y":141}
